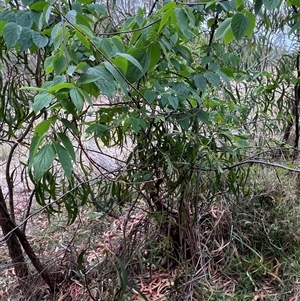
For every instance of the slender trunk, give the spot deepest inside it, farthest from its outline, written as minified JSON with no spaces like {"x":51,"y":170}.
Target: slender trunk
{"x":13,"y":231}
{"x":13,"y":245}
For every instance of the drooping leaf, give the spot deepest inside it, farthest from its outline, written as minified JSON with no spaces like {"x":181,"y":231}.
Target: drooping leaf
{"x":67,"y":144}
{"x":154,"y":53}
{"x":64,"y":159}
{"x":77,"y":99}
{"x":43,"y":161}
{"x":131,"y":59}
{"x":11,"y":34}
{"x":239,"y":25}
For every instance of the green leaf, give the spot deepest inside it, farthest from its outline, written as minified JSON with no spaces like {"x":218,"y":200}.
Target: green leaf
{"x":68,"y":124}
{"x":222,"y":29}
{"x":99,"y":129}
{"x":60,"y":86}
{"x":42,"y":100}
{"x":166,"y":16}
{"x":27,"y":2}
{"x":68,"y":145}
{"x":23,"y":18}
{"x":257,"y":6}
{"x":228,"y":37}
{"x":131,"y":59}
{"x":173,"y":101}
{"x":11,"y":34}
{"x":43,"y":127}
{"x":25,"y":40}
{"x":39,"y":40}
{"x":48,"y":64}
{"x":77,"y":99}
{"x":271,"y":4}
{"x":202,"y":115}
{"x":252,"y":23}
{"x":200,"y":82}
{"x":85,"y":42}
{"x":119,"y":79}
{"x":239,"y":25}
{"x":101,"y":77}
{"x":150,"y":95}
{"x":295,"y":27}
{"x":39,"y":6}
{"x":71,"y":16}
{"x":43,"y":161}
{"x":154,"y":53}
{"x":106,"y":46}
{"x":59,"y":63}
{"x":213,"y":78}
{"x":64,"y":159}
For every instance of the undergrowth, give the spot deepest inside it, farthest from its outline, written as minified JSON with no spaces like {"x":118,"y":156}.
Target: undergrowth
{"x":247,"y":249}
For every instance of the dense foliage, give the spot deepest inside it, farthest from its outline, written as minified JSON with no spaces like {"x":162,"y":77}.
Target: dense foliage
{"x":167,"y":105}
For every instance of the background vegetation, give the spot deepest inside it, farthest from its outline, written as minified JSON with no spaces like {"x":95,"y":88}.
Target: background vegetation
{"x":149,"y":150}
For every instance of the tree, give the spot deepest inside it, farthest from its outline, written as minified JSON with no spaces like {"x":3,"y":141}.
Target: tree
{"x":161,"y":85}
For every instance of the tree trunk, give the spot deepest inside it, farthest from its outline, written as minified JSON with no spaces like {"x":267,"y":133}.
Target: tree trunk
{"x":13,"y":245}
{"x":9,"y":227}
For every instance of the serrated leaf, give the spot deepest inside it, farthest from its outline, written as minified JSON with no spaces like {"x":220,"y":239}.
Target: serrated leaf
{"x":77,"y":99}
{"x":39,"y":40}
{"x":25,"y":40}
{"x":222,"y":29}
{"x":67,"y":144}
{"x":64,"y":159}
{"x":271,"y":4}
{"x":41,"y":101}
{"x":239,"y":25}
{"x":43,"y":161}
{"x":11,"y":34}
{"x":200,"y":82}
